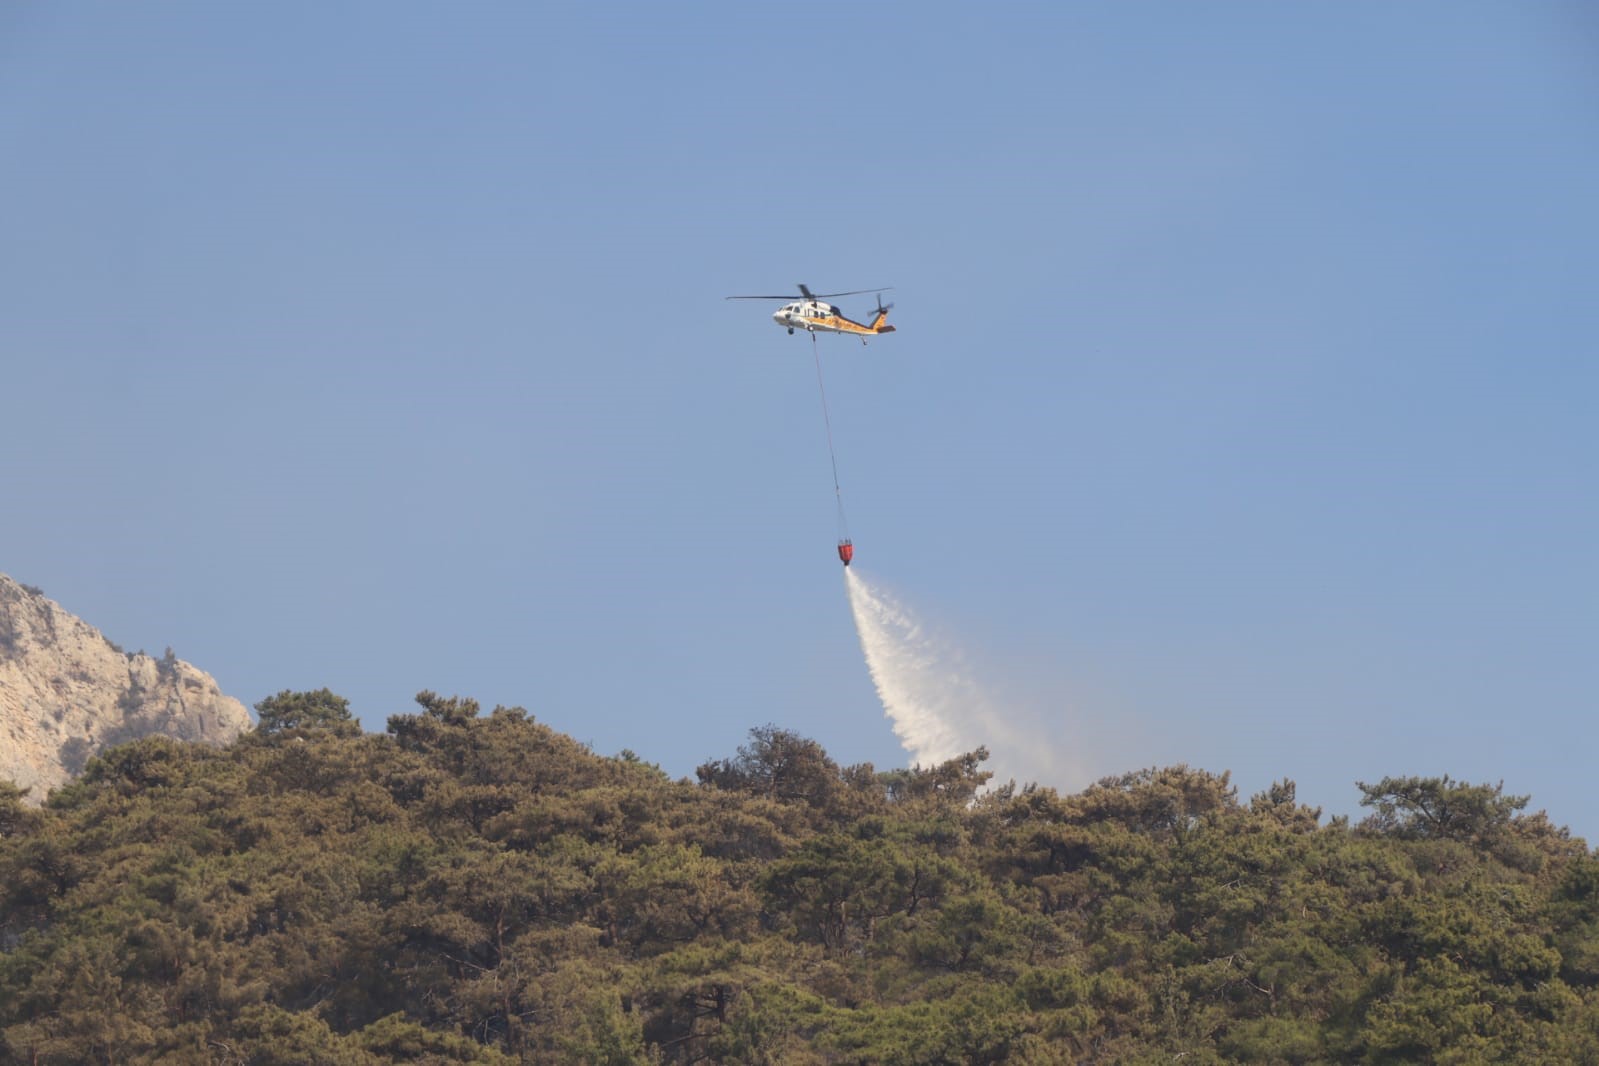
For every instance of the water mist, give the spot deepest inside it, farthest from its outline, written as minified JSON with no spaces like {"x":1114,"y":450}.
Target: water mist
{"x":932,"y":697}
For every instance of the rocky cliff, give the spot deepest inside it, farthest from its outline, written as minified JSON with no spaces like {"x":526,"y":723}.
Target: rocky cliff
{"x":66,"y":692}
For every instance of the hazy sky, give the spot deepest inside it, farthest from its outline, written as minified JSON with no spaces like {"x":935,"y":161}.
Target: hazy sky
{"x":1242,"y":411}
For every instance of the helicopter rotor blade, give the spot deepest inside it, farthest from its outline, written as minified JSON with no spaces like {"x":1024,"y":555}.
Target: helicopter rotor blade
{"x":852,"y":292}
{"x":806,"y":293}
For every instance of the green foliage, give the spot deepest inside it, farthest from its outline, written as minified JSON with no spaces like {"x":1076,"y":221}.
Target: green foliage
{"x":1438,"y":808}
{"x":478,"y":888}
{"x":15,"y":816}
{"x":303,"y":713}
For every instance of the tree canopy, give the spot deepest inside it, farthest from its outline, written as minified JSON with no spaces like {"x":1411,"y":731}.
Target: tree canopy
{"x":475,"y":887}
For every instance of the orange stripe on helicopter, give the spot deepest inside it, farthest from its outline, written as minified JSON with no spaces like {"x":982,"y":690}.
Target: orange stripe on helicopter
{"x":844,"y":325}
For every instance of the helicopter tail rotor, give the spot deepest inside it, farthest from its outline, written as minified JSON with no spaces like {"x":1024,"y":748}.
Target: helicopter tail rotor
{"x":880,"y":323}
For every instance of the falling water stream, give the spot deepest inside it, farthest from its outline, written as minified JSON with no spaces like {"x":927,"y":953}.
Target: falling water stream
{"x":931,"y":696}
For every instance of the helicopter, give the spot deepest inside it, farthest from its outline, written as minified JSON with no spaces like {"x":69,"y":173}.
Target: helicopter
{"x":813,"y":315}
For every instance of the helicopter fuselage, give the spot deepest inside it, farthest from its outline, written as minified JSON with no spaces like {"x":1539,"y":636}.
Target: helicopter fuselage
{"x":806,"y":314}
{"x":814,"y":316}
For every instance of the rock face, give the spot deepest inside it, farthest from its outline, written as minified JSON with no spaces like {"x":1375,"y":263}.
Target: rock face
{"x":66,"y":692}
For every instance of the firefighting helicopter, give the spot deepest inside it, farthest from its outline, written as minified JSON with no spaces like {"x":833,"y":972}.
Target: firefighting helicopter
{"x":813,"y":315}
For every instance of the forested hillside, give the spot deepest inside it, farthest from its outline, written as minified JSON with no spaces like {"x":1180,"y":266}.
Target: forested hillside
{"x":479,"y":888}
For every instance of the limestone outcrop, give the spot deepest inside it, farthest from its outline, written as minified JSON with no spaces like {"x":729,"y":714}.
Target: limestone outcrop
{"x":66,"y":693}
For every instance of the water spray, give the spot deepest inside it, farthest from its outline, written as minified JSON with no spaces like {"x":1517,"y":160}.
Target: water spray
{"x":932,"y":697}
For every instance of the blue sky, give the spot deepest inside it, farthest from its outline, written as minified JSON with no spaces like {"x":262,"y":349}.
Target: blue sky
{"x":1242,"y":411}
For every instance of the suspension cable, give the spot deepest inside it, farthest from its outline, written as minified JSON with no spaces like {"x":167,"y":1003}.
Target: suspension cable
{"x":827,"y":420}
